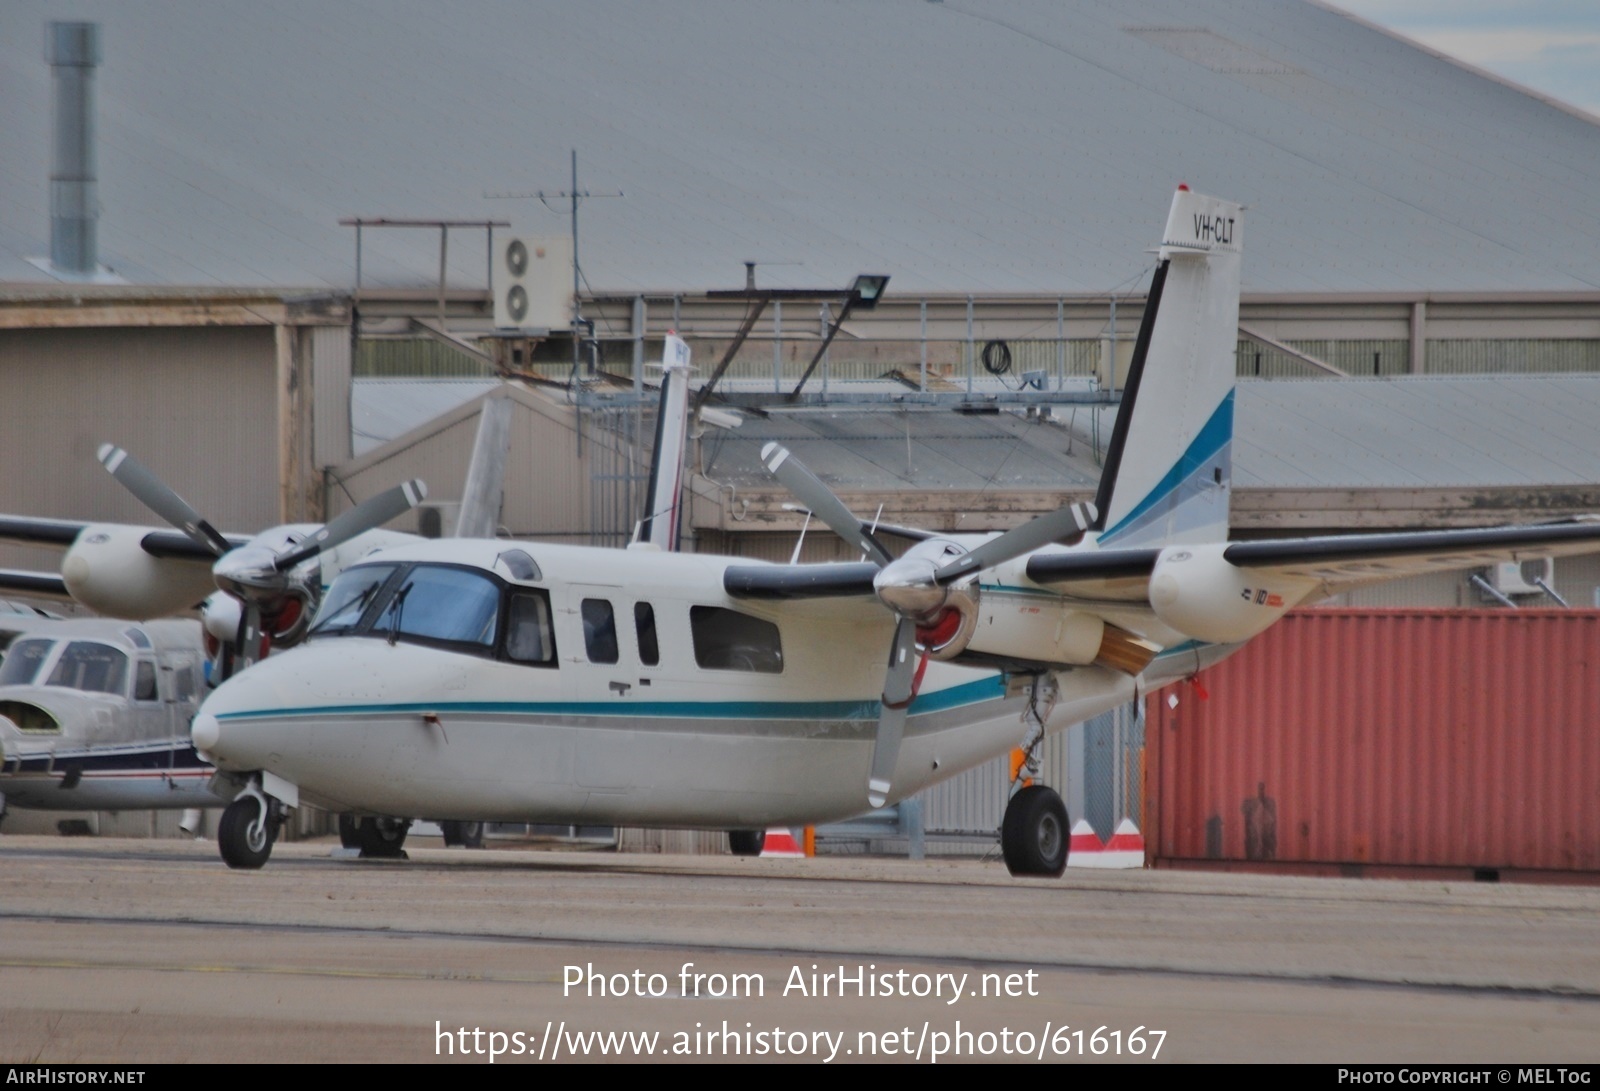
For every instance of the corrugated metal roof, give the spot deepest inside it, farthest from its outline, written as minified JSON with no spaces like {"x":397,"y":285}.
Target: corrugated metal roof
{"x":385,"y":409}
{"x":981,"y":146}
{"x":1418,"y":432}
{"x":856,"y":449}
{"x":1423,"y":432}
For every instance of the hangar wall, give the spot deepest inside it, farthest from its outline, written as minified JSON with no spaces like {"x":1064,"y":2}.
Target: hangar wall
{"x":196,"y":405}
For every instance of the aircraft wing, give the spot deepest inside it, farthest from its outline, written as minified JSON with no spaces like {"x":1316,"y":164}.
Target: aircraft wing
{"x":158,"y":542}
{"x":48,"y":584}
{"x":32,"y":531}
{"x":1345,"y":561}
{"x":1340,"y":561}
{"x":800,"y":581}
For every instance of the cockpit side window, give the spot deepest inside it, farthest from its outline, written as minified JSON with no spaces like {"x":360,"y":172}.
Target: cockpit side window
{"x":22,"y":662}
{"x":529,"y":638}
{"x":96,"y":668}
{"x":144,"y":681}
{"x":183,"y":687}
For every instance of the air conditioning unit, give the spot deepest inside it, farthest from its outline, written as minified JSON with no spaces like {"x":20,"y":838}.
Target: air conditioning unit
{"x":533,"y":283}
{"x":1518,"y":577}
{"x":1116,"y":360}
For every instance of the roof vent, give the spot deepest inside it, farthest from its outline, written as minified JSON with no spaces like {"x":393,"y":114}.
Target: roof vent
{"x":73,"y":51}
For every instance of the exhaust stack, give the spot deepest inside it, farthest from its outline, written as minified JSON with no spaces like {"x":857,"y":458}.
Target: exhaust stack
{"x":73,"y":51}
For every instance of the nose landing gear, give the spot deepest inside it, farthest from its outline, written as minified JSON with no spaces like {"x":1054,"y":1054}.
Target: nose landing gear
{"x":248,"y":828}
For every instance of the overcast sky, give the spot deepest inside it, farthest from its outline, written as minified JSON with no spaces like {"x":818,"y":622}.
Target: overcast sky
{"x":1551,"y":46}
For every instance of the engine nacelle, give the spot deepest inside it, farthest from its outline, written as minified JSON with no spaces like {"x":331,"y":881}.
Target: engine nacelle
{"x":108,"y":571}
{"x":1034,"y":628}
{"x":1194,"y":590}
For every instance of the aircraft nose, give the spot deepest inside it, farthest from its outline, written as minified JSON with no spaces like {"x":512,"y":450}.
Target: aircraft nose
{"x":206,"y":731}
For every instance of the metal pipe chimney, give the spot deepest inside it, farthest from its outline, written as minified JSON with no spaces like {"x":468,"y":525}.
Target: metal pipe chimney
{"x":73,"y":51}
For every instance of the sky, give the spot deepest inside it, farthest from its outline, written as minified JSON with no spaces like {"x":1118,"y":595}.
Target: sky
{"x":1550,"y":46}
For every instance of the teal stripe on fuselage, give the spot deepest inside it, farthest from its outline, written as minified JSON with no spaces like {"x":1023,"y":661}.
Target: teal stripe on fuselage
{"x":968,"y":693}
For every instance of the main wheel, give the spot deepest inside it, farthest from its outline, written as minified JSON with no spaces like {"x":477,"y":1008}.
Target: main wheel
{"x":458,"y":832}
{"x":1034,"y":836}
{"x":348,"y":838}
{"x":246,"y":833}
{"x":381,"y":837}
{"x":746,"y":842}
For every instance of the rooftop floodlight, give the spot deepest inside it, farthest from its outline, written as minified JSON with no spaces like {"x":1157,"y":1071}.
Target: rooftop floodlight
{"x":867,"y":290}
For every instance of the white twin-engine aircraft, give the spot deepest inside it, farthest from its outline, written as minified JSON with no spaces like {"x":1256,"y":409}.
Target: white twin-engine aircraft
{"x":501,"y":681}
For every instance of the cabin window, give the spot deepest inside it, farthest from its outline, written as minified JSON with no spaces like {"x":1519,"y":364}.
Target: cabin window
{"x":95,"y":668}
{"x":727,"y":640}
{"x":528,"y":635}
{"x":599,"y":631}
{"x":347,"y":600}
{"x":449,"y":605}
{"x":644,"y":624}
{"x":144,"y":681}
{"x":22,"y":662}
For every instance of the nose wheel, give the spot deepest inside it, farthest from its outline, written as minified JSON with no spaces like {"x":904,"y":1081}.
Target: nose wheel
{"x":248,"y":828}
{"x":1034,"y":836}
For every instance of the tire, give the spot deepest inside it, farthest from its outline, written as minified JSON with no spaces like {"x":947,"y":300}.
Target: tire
{"x":381,"y":838}
{"x":348,"y":837}
{"x":244,"y":843}
{"x":746,"y":842}
{"x":459,"y":832}
{"x":1035,"y":836}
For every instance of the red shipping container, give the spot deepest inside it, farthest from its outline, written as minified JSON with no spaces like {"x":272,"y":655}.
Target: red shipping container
{"x":1387,"y":742}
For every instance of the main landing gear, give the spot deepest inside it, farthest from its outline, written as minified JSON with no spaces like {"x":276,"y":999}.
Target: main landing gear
{"x":456,"y":832}
{"x":248,"y":828}
{"x":1034,"y":835}
{"x":381,"y":837}
{"x":746,"y":842}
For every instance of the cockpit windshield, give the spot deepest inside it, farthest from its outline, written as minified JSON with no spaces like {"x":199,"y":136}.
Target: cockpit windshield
{"x":97,"y":668}
{"x":448,"y":604}
{"x":423,"y":603}
{"x":22,"y":662}
{"x":347,"y":600}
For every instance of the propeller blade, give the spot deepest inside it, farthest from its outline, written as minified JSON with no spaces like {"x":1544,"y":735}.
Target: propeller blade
{"x":1062,"y":523}
{"x":247,"y":645}
{"x":359,"y":519}
{"x":810,"y":491}
{"x":898,"y":690}
{"x":154,"y":494}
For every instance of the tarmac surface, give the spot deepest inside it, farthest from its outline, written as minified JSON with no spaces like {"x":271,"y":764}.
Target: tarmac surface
{"x":130,"y":951}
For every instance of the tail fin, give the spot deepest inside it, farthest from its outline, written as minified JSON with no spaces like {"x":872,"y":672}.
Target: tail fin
{"x":662,"y":507}
{"x":1169,"y":469}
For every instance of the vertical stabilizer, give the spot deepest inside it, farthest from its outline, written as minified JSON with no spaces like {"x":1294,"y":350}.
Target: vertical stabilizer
{"x":664,"y":503}
{"x":1168,"y":472}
